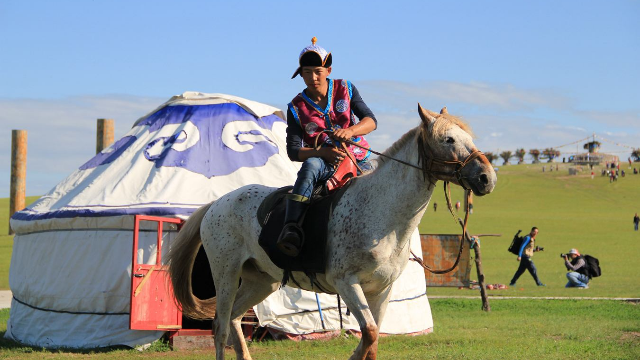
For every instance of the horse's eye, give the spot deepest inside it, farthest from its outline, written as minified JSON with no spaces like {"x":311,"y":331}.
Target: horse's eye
{"x":450,"y":140}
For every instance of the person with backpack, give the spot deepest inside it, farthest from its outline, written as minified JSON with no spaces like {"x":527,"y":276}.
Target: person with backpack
{"x":578,"y":274}
{"x":524,"y":256}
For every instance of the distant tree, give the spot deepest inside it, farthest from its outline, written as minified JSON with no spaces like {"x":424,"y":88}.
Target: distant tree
{"x":551,"y":153}
{"x":536,"y":155}
{"x":520,"y":153}
{"x":506,"y":155}
{"x":592,"y":146}
{"x":491,"y":156}
{"x":635,"y":155}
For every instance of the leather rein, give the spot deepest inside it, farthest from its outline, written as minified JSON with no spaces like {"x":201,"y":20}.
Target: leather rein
{"x":429,"y":169}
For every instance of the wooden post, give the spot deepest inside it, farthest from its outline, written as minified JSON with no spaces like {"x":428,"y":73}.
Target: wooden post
{"x":483,"y":289}
{"x":104,"y":136}
{"x":18,"y":172}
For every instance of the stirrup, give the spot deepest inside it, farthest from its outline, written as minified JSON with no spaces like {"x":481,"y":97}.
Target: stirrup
{"x":291,"y":240}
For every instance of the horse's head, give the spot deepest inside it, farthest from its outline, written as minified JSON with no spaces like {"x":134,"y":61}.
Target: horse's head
{"x":447,"y":153}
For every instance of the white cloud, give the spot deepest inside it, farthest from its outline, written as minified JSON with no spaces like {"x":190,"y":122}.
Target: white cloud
{"x":502,"y":115}
{"x":61,"y":133}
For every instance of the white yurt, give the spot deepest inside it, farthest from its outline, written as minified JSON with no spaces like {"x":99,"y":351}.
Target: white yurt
{"x":72,"y":255}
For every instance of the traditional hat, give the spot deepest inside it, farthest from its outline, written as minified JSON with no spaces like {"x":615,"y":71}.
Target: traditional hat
{"x":574,"y":251}
{"x":313,"y":55}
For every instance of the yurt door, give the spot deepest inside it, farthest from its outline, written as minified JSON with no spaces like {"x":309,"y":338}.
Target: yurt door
{"x":152,"y":302}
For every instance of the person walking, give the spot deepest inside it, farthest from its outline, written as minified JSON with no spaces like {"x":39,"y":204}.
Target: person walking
{"x":636,"y":221}
{"x":524,"y":257}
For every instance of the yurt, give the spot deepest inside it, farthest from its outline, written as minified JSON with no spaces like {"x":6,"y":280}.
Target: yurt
{"x":71,"y":265}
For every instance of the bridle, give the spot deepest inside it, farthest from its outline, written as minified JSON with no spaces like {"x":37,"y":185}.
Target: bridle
{"x":429,"y":168}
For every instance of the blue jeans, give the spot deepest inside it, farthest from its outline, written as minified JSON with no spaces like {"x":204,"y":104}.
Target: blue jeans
{"x":577,"y":280}
{"x":313,"y":171}
{"x":526,"y":264}
{"x":636,"y":226}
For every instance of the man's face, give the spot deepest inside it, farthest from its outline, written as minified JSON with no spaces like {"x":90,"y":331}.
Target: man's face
{"x":534,"y":232}
{"x":573,"y":256}
{"x":315,"y":77}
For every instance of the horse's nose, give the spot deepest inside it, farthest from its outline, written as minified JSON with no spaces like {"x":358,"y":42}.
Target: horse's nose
{"x":484,"y":179}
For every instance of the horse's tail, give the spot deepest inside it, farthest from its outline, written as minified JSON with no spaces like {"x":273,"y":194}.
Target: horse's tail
{"x":180,"y":260}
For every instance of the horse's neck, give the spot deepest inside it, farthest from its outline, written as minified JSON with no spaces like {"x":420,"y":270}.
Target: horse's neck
{"x":395,"y":196}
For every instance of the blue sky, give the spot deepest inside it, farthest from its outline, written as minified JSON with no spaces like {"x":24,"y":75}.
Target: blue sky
{"x":530,"y":75}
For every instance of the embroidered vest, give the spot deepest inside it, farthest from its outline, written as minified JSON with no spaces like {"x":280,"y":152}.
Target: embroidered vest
{"x":337,"y":115}
{"x":528,"y":250}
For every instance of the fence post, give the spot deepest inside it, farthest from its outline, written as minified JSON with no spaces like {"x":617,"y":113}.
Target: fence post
{"x":483,"y":289}
{"x":104,"y":136}
{"x":18,"y":173}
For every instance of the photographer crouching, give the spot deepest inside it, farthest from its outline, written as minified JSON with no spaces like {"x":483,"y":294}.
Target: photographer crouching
{"x":578,"y":274}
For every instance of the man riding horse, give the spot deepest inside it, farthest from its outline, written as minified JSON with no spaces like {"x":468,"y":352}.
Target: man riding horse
{"x":325,"y":104}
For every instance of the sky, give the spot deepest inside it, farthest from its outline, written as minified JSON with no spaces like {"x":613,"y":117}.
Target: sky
{"x":522,"y":74}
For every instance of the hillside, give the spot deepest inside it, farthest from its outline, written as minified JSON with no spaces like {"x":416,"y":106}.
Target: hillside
{"x":592,"y":215}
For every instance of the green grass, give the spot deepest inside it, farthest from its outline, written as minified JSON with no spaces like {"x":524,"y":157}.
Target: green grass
{"x":514,"y":329}
{"x":592,"y":215}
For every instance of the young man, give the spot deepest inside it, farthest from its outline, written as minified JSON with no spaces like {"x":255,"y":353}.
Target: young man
{"x":324,"y":104}
{"x":524,"y":256}
{"x":577,"y":275}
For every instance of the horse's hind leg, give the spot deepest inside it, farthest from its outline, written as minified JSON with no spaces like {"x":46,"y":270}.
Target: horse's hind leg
{"x":255,"y":287}
{"x":226,"y":275}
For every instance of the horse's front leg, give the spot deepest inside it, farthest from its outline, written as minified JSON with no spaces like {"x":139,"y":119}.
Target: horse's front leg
{"x":352,"y":294}
{"x":378,"y":304}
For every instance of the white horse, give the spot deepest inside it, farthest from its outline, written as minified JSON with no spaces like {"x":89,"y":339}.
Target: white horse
{"x":368,"y":236}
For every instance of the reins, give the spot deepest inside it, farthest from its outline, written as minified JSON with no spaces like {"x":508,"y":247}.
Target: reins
{"x":457,"y":174}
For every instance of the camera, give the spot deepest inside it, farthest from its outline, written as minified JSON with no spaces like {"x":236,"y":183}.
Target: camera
{"x":563,"y":255}
{"x":538,"y":248}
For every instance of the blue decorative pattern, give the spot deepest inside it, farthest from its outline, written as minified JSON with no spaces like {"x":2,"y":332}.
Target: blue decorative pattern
{"x":210,"y":156}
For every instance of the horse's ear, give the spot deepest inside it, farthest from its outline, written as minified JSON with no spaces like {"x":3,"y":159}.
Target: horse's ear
{"x":444,"y":110}
{"x":427,"y":116}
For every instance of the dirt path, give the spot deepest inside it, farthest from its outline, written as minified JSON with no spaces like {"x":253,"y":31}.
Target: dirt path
{"x":5,"y":299}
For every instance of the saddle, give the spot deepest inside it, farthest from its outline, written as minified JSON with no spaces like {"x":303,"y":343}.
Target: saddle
{"x":312,"y":257}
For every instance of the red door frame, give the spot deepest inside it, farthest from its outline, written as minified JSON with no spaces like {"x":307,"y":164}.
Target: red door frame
{"x":152,"y":304}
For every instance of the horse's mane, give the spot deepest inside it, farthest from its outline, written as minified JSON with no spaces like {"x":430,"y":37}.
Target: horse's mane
{"x":443,"y":122}
{"x":441,"y":125}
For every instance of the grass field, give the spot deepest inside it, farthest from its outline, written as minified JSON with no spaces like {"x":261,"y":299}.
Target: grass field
{"x":514,"y":329}
{"x":592,"y":215}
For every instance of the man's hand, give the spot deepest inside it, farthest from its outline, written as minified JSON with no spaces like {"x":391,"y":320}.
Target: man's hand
{"x":332,"y":155}
{"x":519,"y":258}
{"x":343,"y":134}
